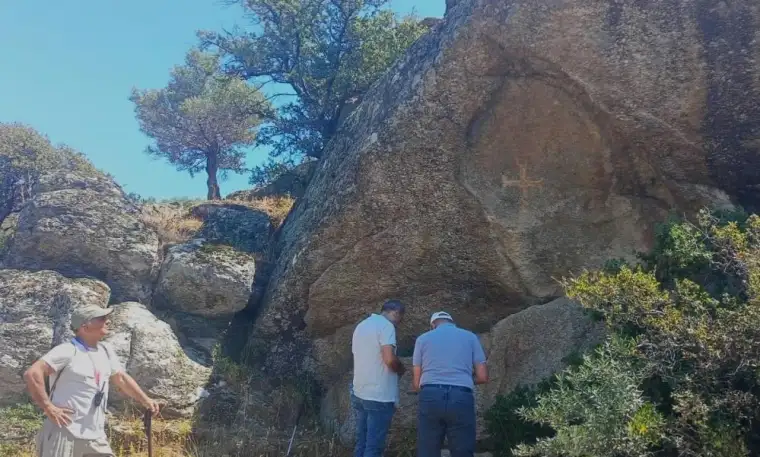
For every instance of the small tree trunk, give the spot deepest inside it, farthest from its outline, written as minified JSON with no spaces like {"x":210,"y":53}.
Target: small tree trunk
{"x":212,"y":167}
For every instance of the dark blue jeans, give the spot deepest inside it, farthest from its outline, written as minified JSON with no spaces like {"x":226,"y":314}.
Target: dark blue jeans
{"x":446,"y":412}
{"x":373,"y":420}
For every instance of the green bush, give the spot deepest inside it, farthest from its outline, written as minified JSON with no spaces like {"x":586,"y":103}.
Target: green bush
{"x":679,"y":375}
{"x":25,"y":154}
{"x":507,"y":428}
{"x":597,"y":409}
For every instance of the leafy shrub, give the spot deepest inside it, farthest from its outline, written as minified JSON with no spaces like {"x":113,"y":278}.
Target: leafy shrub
{"x":597,"y":409}
{"x":25,"y":154}
{"x":679,"y":374}
{"x":507,"y":428}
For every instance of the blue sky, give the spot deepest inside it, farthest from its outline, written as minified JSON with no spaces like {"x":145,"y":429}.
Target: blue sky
{"x":68,"y":68}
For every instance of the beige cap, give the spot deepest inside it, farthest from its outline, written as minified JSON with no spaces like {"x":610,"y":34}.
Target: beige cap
{"x":86,"y":313}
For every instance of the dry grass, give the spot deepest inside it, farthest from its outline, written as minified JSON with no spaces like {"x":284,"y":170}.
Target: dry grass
{"x":174,"y":222}
{"x":277,"y":208}
{"x":180,"y":438}
{"x":170,"y":437}
{"x":18,"y":425}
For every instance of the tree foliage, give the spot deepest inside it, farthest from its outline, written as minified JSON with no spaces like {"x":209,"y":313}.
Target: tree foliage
{"x":327,"y":52}
{"x":25,"y":155}
{"x":680,"y":375}
{"x":202,"y":120}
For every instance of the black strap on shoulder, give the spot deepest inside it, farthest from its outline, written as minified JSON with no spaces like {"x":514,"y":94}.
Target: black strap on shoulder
{"x":57,"y":376}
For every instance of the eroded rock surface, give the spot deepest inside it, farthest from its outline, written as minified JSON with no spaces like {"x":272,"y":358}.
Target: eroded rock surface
{"x":151,"y":353}
{"x":200,"y":288}
{"x":243,"y":228}
{"x":206,"y":279}
{"x":532,"y":345}
{"x":517,"y":143}
{"x":83,"y":225}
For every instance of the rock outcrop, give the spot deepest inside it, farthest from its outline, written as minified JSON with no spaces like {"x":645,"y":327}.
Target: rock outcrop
{"x":200,"y":287}
{"x":516,"y":143}
{"x":206,"y":279}
{"x":532,"y":345}
{"x":35,"y":315}
{"x":292,"y":183}
{"x":83,"y":225}
{"x":151,"y":354}
{"x":238,"y":226}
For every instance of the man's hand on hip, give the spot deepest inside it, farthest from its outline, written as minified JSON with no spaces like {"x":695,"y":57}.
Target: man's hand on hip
{"x":59,"y":416}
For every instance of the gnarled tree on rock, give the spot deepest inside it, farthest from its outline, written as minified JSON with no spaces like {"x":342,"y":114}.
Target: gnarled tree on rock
{"x":327,"y":53}
{"x":202,"y":120}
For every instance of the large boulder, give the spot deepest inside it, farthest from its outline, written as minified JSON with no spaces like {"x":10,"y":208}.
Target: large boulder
{"x":200,"y":287}
{"x":151,"y":354}
{"x":206,"y":279}
{"x":244,"y":228}
{"x":516,"y":143}
{"x":83,"y":225}
{"x":35,"y":315}
{"x":530,"y":346}
{"x":522,"y":350}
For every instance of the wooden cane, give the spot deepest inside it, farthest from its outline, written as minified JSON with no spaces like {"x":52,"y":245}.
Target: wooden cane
{"x":148,"y":422}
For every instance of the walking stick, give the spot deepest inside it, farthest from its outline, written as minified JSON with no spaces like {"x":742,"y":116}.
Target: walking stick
{"x":148,"y":422}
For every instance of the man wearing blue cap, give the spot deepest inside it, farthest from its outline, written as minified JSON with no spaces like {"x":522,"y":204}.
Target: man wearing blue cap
{"x":444,"y":361}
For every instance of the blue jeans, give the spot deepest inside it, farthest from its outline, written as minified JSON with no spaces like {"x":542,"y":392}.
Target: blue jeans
{"x":445,"y":412}
{"x":373,"y":420}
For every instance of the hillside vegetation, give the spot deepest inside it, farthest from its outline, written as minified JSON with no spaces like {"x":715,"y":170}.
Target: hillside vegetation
{"x":678,"y":375}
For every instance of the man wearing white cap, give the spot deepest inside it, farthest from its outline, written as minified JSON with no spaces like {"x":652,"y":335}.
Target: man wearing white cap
{"x":79,"y":372}
{"x":444,"y":361}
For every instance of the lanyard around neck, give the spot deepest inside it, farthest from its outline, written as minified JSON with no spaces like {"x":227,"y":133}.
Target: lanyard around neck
{"x":94,"y":366}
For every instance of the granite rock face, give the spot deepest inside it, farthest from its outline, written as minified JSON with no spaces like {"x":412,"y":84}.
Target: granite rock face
{"x":150,"y":352}
{"x":239,"y":226}
{"x":206,"y":279}
{"x":82,"y":225}
{"x":200,"y":288}
{"x":516,"y":143}
{"x":532,"y":345}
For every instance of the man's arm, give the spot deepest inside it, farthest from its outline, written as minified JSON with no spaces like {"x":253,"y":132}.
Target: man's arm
{"x":416,"y":377}
{"x":481,"y":373}
{"x":35,"y":385}
{"x":417,"y":365}
{"x":479,"y":361}
{"x":392,"y":361}
{"x":387,"y":340}
{"x":129,"y":386}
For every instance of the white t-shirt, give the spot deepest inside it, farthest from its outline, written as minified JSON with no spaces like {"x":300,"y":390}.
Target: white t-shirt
{"x":373,"y":380}
{"x":76,"y":388}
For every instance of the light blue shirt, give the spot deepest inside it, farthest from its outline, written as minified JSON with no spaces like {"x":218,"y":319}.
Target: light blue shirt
{"x":448,"y":355}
